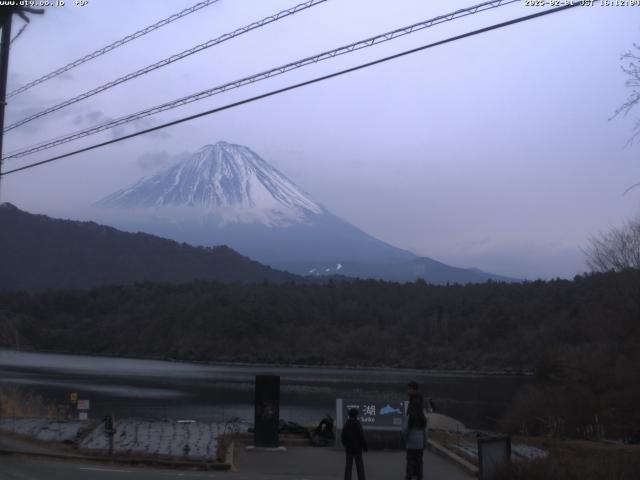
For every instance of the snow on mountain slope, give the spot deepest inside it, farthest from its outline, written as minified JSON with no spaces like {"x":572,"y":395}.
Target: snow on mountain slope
{"x":225,"y":194}
{"x":230,"y":182}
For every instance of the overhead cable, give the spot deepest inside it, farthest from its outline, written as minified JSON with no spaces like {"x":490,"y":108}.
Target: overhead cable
{"x":112,"y":46}
{"x":295,"y":86}
{"x":169,"y":60}
{"x":368,"y":42}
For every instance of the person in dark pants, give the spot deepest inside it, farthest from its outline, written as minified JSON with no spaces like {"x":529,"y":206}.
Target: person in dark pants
{"x":354,"y":444}
{"x":415,"y":426}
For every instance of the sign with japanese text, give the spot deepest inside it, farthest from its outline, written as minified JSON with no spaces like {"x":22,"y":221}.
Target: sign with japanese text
{"x":83,"y":404}
{"x":373,"y":414}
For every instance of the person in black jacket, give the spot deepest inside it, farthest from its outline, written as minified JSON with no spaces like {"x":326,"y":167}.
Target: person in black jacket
{"x":354,"y":444}
{"x":415,"y":432}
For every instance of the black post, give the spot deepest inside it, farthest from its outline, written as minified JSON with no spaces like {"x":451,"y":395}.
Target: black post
{"x":110,"y":430}
{"x":7,"y":15}
{"x":267,"y":410}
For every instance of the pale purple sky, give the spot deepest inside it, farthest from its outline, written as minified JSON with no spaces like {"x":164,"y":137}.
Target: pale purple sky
{"x":494,"y":152}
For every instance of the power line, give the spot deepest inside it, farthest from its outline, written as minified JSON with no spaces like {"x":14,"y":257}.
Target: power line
{"x":113,"y":46}
{"x":33,"y":145}
{"x":169,"y":60}
{"x":297,"y":85}
{"x":368,"y":42}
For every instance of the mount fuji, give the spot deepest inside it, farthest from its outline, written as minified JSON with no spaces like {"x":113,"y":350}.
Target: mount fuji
{"x":225,"y":181}
{"x":227,"y":194}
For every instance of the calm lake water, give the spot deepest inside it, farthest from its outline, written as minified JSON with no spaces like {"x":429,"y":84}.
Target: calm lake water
{"x":153,"y":388}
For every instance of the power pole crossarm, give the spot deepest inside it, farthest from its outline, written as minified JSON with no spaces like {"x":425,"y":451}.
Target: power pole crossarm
{"x":6,"y":16}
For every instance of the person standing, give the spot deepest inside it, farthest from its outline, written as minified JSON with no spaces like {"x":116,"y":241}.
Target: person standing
{"x":354,"y":444}
{"x":415,"y":426}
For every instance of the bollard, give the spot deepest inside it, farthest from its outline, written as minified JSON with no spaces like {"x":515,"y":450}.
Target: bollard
{"x":110,"y":430}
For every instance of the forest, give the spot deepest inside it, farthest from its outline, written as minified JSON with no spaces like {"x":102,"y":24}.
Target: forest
{"x":579,"y":336}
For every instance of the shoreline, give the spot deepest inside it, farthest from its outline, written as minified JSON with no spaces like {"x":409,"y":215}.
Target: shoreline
{"x":429,"y":372}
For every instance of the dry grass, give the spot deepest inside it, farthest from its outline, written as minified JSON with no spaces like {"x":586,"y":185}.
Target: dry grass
{"x":450,"y":439}
{"x":578,"y":460}
{"x":567,"y":459}
{"x":19,"y":403}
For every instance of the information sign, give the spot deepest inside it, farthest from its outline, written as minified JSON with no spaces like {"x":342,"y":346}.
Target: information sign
{"x":374,"y":415}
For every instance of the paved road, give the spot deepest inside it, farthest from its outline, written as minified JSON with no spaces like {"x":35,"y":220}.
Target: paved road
{"x":31,"y":468}
{"x":297,"y":463}
{"x":328,"y":463}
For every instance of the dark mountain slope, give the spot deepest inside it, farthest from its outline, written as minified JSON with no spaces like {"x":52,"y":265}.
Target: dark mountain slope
{"x":39,"y":252}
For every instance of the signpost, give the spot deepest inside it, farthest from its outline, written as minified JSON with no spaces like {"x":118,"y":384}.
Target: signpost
{"x":374,"y":415}
{"x":83,"y":408}
{"x":385,"y":418}
{"x":73,"y":402}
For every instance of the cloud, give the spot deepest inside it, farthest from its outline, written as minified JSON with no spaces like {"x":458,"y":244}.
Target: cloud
{"x":21,"y":106}
{"x":528,"y":259}
{"x":474,"y":244}
{"x":159,"y":159}
{"x":138,"y":125}
{"x":90,"y":118}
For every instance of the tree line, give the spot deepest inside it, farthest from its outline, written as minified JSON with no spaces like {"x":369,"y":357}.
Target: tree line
{"x":580,"y":336}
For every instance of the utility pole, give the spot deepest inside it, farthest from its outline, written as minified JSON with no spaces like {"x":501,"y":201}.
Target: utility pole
{"x":6,"y":15}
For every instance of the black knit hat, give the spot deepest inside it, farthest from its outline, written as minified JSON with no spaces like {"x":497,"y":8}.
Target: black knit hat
{"x":413,"y":384}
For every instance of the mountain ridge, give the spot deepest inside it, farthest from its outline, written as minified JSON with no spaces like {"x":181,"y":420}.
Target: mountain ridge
{"x":40,"y":252}
{"x":227,"y":180}
{"x":227,"y":194}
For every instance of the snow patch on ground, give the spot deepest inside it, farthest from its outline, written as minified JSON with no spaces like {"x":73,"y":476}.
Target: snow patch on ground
{"x":518,"y":451}
{"x":527,"y":451}
{"x":43,"y":429}
{"x":159,"y":438}
{"x":468,"y":449}
{"x":149,"y":437}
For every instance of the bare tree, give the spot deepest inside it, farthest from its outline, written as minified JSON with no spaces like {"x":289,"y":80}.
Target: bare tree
{"x":631,"y":66}
{"x":618,"y":249}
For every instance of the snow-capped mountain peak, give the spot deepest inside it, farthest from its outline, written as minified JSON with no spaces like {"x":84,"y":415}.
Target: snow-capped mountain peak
{"x":224,"y":180}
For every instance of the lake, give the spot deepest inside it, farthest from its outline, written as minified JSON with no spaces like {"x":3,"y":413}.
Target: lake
{"x":208,"y":392}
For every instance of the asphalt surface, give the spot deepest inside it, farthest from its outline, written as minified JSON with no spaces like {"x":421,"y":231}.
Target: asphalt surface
{"x":14,"y":467}
{"x":328,"y":463}
{"x":297,"y":463}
